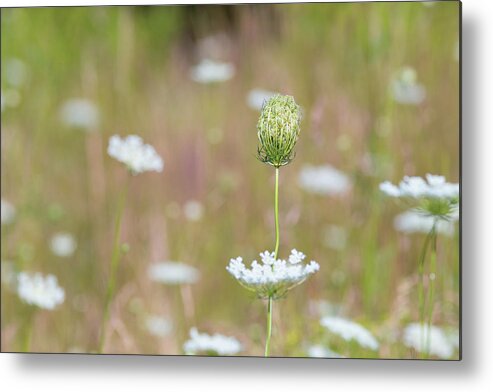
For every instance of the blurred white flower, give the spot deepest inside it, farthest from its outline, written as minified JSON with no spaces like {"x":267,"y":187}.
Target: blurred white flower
{"x":80,"y":113}
{"x":202,"y":343}
{"x":415,"y":222}
{"x":323,"y":180}
{"x":63,"y":244}
{"x":417,"y":336}
{"x":14,"y":72}
{"x":257,"y":97}
{"x":158,"y":326}
{"x":137,"y":156}
{"x":7,"y":212}
{"x":209,"y":71}
{"x":173,"y":272}
{"x":319,"y":351}
{"x":193,"y":210}
{"x":349,"y":330}
{"x":272,"y":278}
{"x":416,"y":187}
{"x":405,"y":88}
{"x":42,"y":291}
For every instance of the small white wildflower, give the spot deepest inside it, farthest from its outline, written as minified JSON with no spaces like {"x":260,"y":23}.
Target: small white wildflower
{"x":209,"y":71}
{"x":323,"y":180}
{"x":193,"y":210}
{"x":257,"y":97}
{"x":7,"y":212}
{"x":42,"y":291}
{"x":415,"y":222}
{"x":80,"y":113}
{"x":173,"y":272}
{"x":349,"y":330}
{"x":136,"y":155}
{"x":405,"y":88}
{"x":416,"y":336}
{"x":435,"y":197}
{"x":319,"y":351}
{"x":63,"y":244}
{"x":158,"y":326}
{"x":202,"y":343}
{"x":272,"y":278}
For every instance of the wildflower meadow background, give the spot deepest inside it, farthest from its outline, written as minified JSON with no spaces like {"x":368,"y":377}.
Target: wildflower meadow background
{"x":130,"y":180}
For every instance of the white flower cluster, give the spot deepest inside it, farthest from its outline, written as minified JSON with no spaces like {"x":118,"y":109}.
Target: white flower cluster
{"x":323,"y":180}
{"x":349,"y":330}
{"x":7,"y":212}
{"x":63,"y":244}
{"x":406,"y":89}
{"x":80,"y":113}
{"x":209,"y":71}
{"x":202,"y":343}
{"x":173,"y":272}
{"x":132,"y":151}
{"x":434,"y":187}
{"x":415,"y":222}
{"x":272,"y":278}
{"x":39,"y":290}
{"x":418,"y":336}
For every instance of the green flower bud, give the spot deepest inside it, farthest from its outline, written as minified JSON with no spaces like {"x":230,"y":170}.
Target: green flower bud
{"x":278,"y":129}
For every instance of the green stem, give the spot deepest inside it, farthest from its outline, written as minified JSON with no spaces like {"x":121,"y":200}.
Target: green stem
{"x":276,"y":212}
{"x":431,"y":291}
{"x":269,"y":327}
{"x":26,"y":344}
{"x":115,"y":262}
{"x":421,"y":295}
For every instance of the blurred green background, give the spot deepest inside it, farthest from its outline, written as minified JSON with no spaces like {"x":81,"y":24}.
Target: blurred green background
{"x":133,"y":63}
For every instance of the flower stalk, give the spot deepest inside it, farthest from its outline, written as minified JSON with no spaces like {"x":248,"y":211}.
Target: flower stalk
{"x":115,"y":263}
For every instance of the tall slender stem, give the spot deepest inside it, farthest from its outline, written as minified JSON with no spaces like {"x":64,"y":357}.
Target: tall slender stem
{"x":26,"y":344}
{"x":276,"y":251}
{"x":276,"y":212}
{"x":115,"y":262}
{"x":431,"y":290}
{"x":421,"y":289}
{"x":269,"y":327}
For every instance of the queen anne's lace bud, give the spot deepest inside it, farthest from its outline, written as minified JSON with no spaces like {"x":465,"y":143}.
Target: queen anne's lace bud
{"x":272,"y":278}
{"x":278,"y":129}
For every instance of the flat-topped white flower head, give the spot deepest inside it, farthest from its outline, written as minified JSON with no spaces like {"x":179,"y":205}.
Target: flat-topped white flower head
{"x":173,"y":272}
{"x":415,"y":222}
{"x":405,"y":87}
{"x":7,"y":212}
{"x":38,"y":290}
{"x":209,"y":71}
{"x":217,"y":344}
{"x":323,"y":180}
{"x":349,"y":330}
{"x":432,"y":196}
{"x":80,"y":113}
{"x":158,"y":326}
{"x":418,"y":336}
{"x":272,"y":278}
{"x":137,"y":156}
{"x":193,"y":210}
{"x":63,"y":244}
